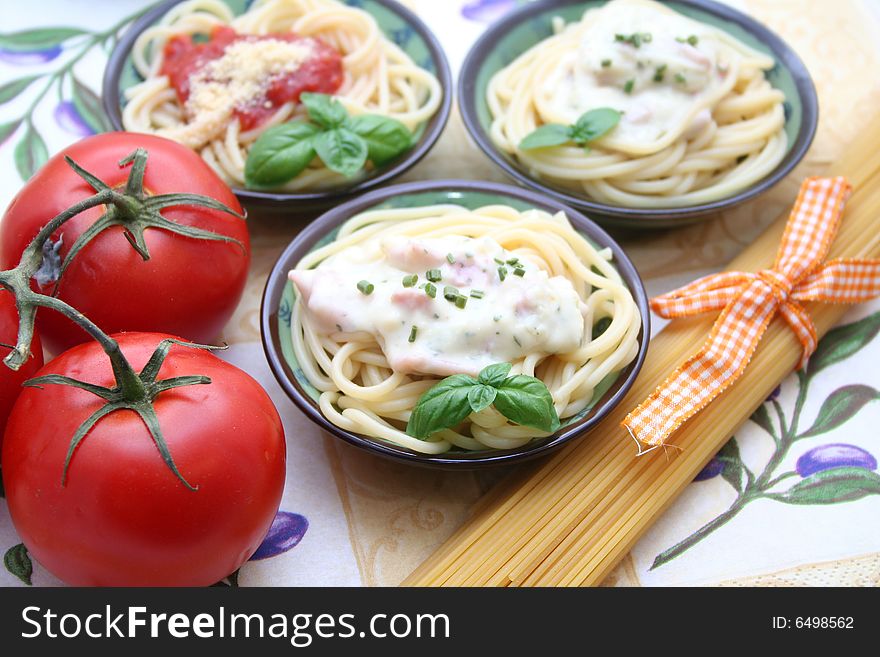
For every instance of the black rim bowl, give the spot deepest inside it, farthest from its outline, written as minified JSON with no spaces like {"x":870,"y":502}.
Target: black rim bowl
{"x":640,"y":218}
{"x":112,"y":102}
{"x":303,"y":243}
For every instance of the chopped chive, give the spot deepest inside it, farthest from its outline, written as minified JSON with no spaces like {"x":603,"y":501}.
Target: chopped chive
{"x":659,"y":72}
{"x":513,"y":261}
{"x":477,"y":294}
{"x":450,"y":258}
{"x":519,"y":271}
{"x":628,"y":87}
{"x":411,"y":280}
{"x":680,"y":78}
{"x":499,"y":261}
{"x":636,"y":39}
{"x":502,"y":273}
{"x":430,"y":290}
{"x":413,"y":332}
{"x":365,"y":287}
{"x":606,"y":63}
{"x":460,"y":301}
{"x":515,"y":339}
{"x":450,"y":293}
{"x":433,"y":275}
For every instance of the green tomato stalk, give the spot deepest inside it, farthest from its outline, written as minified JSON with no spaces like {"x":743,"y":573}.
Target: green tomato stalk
{"x":135,"y":211}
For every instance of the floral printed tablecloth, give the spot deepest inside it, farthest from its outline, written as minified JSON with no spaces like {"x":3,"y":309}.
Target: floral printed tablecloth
{"x":762,"y":512}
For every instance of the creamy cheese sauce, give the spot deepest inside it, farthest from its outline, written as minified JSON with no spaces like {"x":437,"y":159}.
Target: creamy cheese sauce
{"x":501,"y":321}
{"x":658,"y":67}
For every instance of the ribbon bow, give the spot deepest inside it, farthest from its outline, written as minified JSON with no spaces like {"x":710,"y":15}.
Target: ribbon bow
{"x":749,"y":301}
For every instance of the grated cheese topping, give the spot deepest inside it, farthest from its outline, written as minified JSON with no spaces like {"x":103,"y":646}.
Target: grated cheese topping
{"x":238,"y":78}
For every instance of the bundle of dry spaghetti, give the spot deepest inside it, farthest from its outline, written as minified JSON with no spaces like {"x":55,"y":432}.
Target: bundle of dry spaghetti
{"x":570,"y":519}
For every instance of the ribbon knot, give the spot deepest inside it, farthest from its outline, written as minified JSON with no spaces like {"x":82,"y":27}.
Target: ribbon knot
{"x":749,"y":301}
{"x":779,"y":284}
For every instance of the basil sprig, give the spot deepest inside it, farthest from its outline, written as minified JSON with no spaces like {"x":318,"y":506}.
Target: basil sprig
{"x":343,"y":143}
{"x":589,"y":127}
{"x":522,"y":399}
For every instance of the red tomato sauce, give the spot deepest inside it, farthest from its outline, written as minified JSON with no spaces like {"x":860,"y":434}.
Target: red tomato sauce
{"x":321,"y":73}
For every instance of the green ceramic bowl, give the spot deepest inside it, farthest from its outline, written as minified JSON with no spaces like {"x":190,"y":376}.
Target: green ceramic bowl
{"x":505,"y":40}
{"x":396,"y":22}
{"x":279,"y":297}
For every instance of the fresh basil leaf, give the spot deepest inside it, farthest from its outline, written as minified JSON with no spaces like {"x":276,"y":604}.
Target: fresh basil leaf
{"x":280,"y":154}
{"x":342,"y":151}
{"x":526,"y":400}
{"x":593,"y":124}
{"x":494,"y":375}
{"x":481,"y":396}
{"x":549,"y":134}
{"x":324,"y":110}
{"x":386,"y":138}
{"x":442,"y":406}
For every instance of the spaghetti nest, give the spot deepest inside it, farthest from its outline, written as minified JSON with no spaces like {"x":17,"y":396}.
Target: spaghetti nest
{"x":359,"y":390}
{"x":729,"y":138}
{"x":379,"y":77}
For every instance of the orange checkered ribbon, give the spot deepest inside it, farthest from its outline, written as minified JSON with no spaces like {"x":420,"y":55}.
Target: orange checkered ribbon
{"x":749,"y":301}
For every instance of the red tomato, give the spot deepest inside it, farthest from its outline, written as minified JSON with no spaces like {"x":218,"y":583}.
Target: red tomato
{"x":189,"y":287}
{"x":10,"y":382}
{"x":123,"y":517}
{"x":321,"y":72}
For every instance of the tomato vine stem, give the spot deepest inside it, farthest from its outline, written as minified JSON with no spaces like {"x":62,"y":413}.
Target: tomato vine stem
{"x":132,"y":209}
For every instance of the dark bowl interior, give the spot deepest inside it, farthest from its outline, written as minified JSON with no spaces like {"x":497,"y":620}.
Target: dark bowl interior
{"x":521,"y":29}
{"x":398,"y":24}
{"x":279,"y":295}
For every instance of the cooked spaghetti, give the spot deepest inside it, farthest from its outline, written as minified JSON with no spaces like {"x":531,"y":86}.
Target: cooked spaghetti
{"x":404,"y":297}
{"x":699,"y":119}
{"x":215,"y":81}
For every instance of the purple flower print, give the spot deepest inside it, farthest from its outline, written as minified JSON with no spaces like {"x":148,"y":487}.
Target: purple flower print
{"x":486,"y":11}
{"x":285,"y":533}
{"x":70,"y":120}
{"x":29,"y":57}
{"x":835,"y":455}
{"x":713,"y":469}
